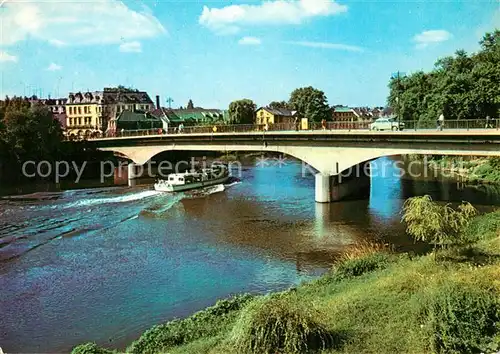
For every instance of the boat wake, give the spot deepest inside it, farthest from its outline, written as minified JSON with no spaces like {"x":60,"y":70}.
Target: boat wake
{"x":111,"y":200}
{"x":197,"y":193}
{"x":232,"y":184}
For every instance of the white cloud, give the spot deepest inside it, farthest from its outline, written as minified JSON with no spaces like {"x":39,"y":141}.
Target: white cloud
{"x":54,"y":67}
{"x":431,"y":37}
{"x":230,"y":19}
{"x":131,"y":47}
{"x":250,"y":41}
{"x":76,"y":22}
{"x":4,"y":56}
{"x":326,"y":45}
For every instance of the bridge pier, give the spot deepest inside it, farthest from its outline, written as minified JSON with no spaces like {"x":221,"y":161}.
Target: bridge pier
{"x":350,"y":184}
{"x":322,"y":189}
{"x":131,"y":174}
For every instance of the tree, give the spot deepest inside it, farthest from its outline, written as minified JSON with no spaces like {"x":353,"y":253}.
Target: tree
{"x":440,"y":225}
{"x":310,"y":103}
{"x":242,"y":112}
{"x":190,"y":104}
{"x":279,"y":105}
{"x":29,"y":132}
{"x":462,"y":86}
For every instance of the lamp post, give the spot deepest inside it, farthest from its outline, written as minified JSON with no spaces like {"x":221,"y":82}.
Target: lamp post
{"x":397,"y":77}
{"x":169,"y":100}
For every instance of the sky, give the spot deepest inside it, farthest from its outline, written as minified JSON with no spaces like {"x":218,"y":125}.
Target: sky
{"x":214,"y":52}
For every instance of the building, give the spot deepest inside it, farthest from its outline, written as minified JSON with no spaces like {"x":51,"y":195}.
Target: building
{"x":199,"y":116}
{"x":90,"y":113}
{"x":267,"y":115}
{"x":193,"y":116}
{"x":344,"y":114}
{"x":130,"y":120}
{"x":123,"y":99}
{"x":85,"y":113}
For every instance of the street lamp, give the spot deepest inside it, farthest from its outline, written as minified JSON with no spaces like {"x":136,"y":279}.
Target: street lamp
{"x":397,"y":77}
{"x":169,"y":100}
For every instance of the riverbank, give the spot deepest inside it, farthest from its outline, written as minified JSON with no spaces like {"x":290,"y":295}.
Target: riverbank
{"x":474,"y":170}
{"x":372,"y":301}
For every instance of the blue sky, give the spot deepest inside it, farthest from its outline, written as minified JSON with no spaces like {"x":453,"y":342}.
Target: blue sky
{"x":216,"y":51}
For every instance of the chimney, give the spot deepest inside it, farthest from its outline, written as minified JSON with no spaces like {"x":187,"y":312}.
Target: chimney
{"x":158,"y":101}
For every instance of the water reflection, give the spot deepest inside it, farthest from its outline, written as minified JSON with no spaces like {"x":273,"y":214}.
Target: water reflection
{"x":385,"y":189}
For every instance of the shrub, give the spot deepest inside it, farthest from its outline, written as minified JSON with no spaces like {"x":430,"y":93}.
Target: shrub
{"x":483,"y":227}
{"x":488,"y":171}
{"x":439,"y":225}
{"x":90,"y":348}
{"x":359,"y":266}
{"x":208,"y":322}
{"x":463,"y":319}
{"x":280,"y":324}
{"x":362,"y":249}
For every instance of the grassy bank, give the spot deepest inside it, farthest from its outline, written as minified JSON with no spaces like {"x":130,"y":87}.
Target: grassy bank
{"x":372,"y":301}
{"x":469,"y":169}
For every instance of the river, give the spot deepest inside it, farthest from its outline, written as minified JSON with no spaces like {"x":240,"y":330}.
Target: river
{"x":105,"y":264}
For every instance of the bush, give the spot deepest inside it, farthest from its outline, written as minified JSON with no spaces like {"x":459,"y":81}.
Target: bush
{"x":359,"y":266}
{"x":439,"y":225}
{"x":489,"y":171}
{"x":463,"y":319}
{"x":208,"y":322}
{"x":90,"y":348}
{"x":280,"y":324}
{"x":483,"y":227}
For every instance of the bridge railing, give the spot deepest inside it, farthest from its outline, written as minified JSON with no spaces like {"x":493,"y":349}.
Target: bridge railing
{"x":312,"y":126}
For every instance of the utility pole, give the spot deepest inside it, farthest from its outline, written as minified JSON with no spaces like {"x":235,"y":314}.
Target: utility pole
{"x":169,"y":100}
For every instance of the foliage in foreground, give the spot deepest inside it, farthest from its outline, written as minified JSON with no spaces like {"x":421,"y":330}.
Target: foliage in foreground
{"x":463,"y":319}
{"x":90,"y":348}
{"x":208,"y":322}
{"x":280,"y":323}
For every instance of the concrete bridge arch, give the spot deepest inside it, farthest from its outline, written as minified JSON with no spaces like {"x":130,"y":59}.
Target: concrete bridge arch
{"x":329,"y":153}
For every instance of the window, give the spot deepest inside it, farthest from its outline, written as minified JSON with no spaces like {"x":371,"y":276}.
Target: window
{"x":79,"y":118}
{"x":70,"y":121}
{"x":79,"y":110}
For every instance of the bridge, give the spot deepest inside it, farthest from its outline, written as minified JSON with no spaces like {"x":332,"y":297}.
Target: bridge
{"x":329,"y":152}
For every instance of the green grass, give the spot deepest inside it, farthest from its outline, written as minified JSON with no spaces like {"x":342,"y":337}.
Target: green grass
{"x":376,"y":303}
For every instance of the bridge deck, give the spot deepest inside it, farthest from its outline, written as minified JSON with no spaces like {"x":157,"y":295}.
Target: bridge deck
{"x":336,"y":132}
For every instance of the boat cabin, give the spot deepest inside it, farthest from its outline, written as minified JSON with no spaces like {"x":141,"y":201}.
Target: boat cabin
{"x":184,"y":178}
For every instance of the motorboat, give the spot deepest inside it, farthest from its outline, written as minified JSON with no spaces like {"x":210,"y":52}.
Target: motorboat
{"x":178,"y":182}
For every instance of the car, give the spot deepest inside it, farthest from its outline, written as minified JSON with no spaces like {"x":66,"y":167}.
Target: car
{"x":387,"y":124}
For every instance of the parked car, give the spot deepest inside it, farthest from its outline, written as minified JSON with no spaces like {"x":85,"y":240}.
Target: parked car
{"x":387,"y":124}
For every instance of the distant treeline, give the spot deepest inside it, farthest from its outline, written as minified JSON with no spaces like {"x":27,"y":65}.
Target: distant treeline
{"x":461,"y":86}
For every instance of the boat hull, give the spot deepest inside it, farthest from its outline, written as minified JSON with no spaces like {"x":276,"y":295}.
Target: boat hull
{"x":186,"y":187}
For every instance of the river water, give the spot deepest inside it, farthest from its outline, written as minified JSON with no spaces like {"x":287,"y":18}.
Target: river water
{"x":105,"y":264}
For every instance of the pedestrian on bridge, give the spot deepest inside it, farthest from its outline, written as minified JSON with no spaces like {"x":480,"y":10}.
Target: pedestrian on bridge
{"x":440,"y":122}
{"x":489,"y":123}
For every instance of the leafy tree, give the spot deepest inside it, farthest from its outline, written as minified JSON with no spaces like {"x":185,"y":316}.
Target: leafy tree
{"x":279,"y":105}
{"x":242,"y":112}
{"x":440,"y":225}
{"x":27,"y":133}
{"x":190,"y":104}
{"x":310,"y":103}
{"x":462,"y":86}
